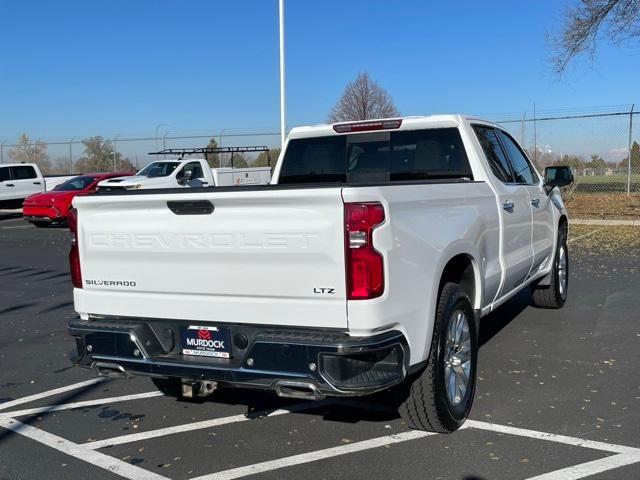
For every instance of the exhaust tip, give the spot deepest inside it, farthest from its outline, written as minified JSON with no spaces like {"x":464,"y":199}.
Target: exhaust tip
{"x":299,"y":390}
{"x":110,"y":370}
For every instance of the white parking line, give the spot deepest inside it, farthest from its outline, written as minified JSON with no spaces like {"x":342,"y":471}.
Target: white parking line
{"x":17,"y":226}
{"x":98,"y":459}
{"x":575,"y":239}
{"x":49,"y":393}
{"x":588,"y":469}
{"x":85,"y":403}
{"x":552,"y":437}
{"x":625,"y":455}
{"x":314,"y":456}
{"x":215,"y":422}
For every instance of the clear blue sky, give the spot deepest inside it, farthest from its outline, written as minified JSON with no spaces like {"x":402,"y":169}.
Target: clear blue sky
{"x":121,"y":66}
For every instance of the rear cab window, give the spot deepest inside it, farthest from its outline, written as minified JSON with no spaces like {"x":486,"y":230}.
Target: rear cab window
{"x":377,"y":157}
{"x":23,"y":172}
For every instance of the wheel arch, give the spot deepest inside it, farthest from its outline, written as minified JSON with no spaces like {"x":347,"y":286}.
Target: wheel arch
{"x":462,"y":268}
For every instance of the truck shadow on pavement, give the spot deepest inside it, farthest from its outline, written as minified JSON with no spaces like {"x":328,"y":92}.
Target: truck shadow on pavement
{"x":493,"y":323}
{"x":8,"y":215}
{"x":5,"y":434}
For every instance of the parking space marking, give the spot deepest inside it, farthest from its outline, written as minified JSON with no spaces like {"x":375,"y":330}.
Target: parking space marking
{"x":17,"y":226}
{"x":575,"y":239}
{"x":98,"y":459}
{"x":624,"y":455}
{"x":552,"y":437}
{"x":49,"y":393}
{"x":587,"y":469}
{"x":314,"y":456}
{"x":188,"y":427}
{"x":85,"y":403}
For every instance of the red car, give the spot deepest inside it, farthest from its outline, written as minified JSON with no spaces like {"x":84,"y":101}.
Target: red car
{"x":52,"y":207}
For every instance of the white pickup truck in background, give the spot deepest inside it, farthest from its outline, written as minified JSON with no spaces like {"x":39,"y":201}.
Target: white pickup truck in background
{"x":365,"y":266}
{"x":191,"y":172}
{"x":19,"y":180}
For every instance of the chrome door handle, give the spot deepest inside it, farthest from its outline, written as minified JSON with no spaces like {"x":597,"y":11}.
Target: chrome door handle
{"x":508,"y":206}
{"x":535,"y":202}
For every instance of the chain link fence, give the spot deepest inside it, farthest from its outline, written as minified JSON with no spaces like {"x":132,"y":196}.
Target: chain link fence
{"x":119,"y":153}
{"x":602,"y":148}
{"x":601,"y":145}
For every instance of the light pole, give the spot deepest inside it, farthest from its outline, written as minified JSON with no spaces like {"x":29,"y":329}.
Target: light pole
{"x":71,"y":155}
{"x":157,"y":128}
{"x":282,"y":102}
{"x":164,"y":143}
{"x":2,"y":151}
{"x":115,"y":153}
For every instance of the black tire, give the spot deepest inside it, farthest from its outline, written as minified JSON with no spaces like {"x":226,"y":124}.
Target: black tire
{"x":554,"y":295}
{"x":423,"y":400}
{"x":41,"y":224}
{"x":171,"y":387}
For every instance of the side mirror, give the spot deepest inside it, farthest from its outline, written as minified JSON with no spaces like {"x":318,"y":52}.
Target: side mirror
{"x":557,"y":177}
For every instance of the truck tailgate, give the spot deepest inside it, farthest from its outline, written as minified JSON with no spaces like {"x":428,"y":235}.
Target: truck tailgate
{"x":267,"y":256}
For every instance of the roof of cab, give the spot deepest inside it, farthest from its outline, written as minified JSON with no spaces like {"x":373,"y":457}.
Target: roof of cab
{"x":408,"y":123}
{"x":19,"y":164}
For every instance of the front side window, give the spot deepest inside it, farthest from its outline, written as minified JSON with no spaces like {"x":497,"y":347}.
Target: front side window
{"x":377,"y":157}
{"x":523,"y":171}
{"x":4,"y":174}
{"x":494,"y":153}
{"x":191,"y":171}
{"x":159,"y":169}
{"x":23,"y":172}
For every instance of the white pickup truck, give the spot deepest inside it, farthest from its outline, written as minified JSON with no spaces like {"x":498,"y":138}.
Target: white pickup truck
{"x":191,"y":172}
{"x":19,"y":180}
{"x":365,"y":266}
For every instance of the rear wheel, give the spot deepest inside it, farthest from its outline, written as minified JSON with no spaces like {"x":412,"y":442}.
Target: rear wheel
{"x":555,"y":294}
{"x":439,"y":398}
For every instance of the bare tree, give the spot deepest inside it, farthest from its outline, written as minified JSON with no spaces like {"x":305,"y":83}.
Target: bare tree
{"x":585,"y":23}
{"x":28,"y":151}
{"x":267,"y":159}
{"x":363,"y":99}
{"x":213,"y":159}
{"x":98,"y":157}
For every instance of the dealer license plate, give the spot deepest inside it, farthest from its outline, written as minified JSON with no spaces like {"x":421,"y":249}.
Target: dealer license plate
{"x":206,"y":341}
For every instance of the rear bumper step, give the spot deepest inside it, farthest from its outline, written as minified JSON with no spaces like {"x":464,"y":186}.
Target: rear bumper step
{"x":298,"y":363}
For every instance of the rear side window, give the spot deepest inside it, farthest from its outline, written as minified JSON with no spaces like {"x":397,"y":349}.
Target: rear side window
{"x":4,"y":174}
{"x":314,"y":160}
{"x":23,"y":172}
{"x":523,"y":171}
{"x":376,"y":157}
{"x":494,"y":153}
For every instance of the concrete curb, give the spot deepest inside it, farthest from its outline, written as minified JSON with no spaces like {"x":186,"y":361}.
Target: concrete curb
{"x":594,"y":221}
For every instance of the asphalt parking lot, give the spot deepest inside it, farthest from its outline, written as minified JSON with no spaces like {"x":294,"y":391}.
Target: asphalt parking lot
{"x":558,"y":393}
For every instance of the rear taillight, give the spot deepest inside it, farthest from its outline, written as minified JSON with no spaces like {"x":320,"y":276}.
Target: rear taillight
{"x":365,"y":266}
{"x":74,"y":253}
